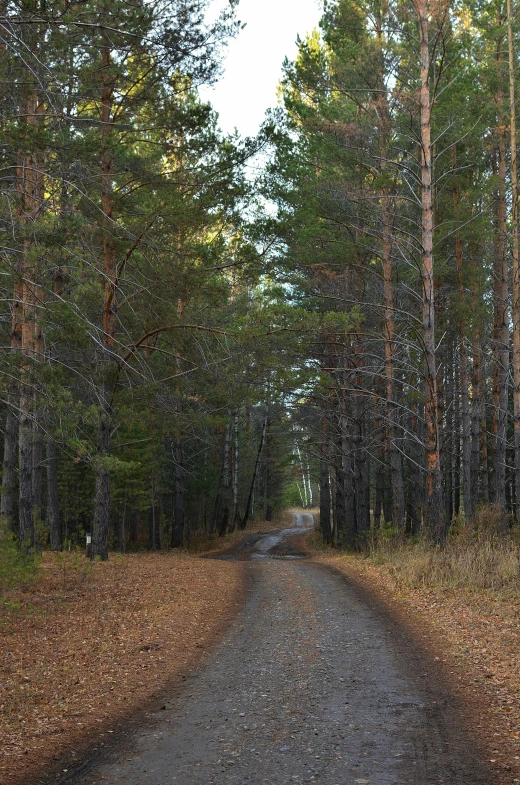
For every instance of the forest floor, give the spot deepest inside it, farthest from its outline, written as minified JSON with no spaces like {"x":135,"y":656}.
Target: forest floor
{"x":89,"y":649}
{"x":474,"y":635}
{"x":86,"y":646}
{"x":314,"y":682}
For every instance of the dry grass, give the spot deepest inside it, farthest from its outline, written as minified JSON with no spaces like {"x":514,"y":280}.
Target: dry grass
{"x":480,"y":565}
{"x":88,"y":644}
{"x":474,"y":557}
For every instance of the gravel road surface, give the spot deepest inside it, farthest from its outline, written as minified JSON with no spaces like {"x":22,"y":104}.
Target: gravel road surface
{"x":312,"y":684}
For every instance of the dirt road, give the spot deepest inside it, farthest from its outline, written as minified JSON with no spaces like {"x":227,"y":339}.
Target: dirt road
{"x":313,"y":684}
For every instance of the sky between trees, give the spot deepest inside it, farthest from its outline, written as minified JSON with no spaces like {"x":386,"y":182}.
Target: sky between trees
{"x":253,"y":60}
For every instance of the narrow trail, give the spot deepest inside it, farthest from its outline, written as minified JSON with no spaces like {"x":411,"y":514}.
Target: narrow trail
{"x":312,"y":684}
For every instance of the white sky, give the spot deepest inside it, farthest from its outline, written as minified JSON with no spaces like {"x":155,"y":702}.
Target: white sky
{"x":253,"y":63}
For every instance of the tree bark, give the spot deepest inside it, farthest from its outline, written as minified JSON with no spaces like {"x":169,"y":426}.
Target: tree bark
{"x":53,"y":510}
{"x":476,"y":421}
{"x":325,"y":527}
{"x":456,"y":445}
{"x":515,"y":262}
{"x":100,"y":526}
{"x":361,"y":456}
{"x":222,"y":501}
{"x":30,"y":192}
{"x":468,"y":496}
{"x":501,"y":322}
{"x":154,"y":542}
{"x":249,"y":504}
{"x":235,"y":472}
{"x":178,"y":497}
{"x":435,"y":522}
{"x":9,"y":462}
{"x":101,"y":522}
{"x":7,"y":499}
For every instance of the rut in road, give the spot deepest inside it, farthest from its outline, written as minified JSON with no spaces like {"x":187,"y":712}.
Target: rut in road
{"x":311,"y":685}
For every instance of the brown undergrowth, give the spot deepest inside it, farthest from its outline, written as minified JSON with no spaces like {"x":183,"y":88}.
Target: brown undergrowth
{"x":86,"y":645}
{"x":473,"y":632}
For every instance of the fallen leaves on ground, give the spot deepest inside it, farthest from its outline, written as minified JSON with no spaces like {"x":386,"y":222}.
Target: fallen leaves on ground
{"x":474,"y":636}
{"x":90,"y":643}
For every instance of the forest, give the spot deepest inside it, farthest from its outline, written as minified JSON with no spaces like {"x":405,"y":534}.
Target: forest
{"x":186,"y":345}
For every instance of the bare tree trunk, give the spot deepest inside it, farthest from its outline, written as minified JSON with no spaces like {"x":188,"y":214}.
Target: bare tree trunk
{"x":100,"y":526}
{"x":447,"y":422}
{"x":379,"y":435}
{"x":476,"y":420}
{"x":7,"y":498}
{"x":235,"y":474}
{"x":469,"y":502}
{"x":37,"y":478}
{"x":501,"y":328}
{"x":222,"y":502}
{"x":155,"y":520}
{"x":515,"y":262}
{"x":325,"y":521}
{"x":53,"y":509}
{"x":30,"y":191}
{"x":396,"y":466}
{"x":9,"y":460}
{"x":249,"y":504}
{"x":13,"y":399}
{"x":416,"y":511}
{"x":435,"y":523}
{"x":178,"y":497}
{"x":362,"y":465}
{"x":486,"y":494}
{"x":457,"y":433}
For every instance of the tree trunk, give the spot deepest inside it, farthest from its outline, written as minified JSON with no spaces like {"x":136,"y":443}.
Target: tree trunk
{"x":446,"y":417}
{"x":178,"y":497}
{"x":154,"y":542}
{"x":396,"y":467}
{"x":457,"y":433}
{"x":476,"y":420}
{"x":7,"y":498}
{"x":101,"y":522}
{"x":100,"y":527}
{"x":53,"y":510}
{"x":325,"y":528}
{"x":235,"y":475}
{"x":486,"y":495}
{"x":222,"y":502}
{"x":435,"y":523}
{"x":361,"y":456}
{"x":30,"y":192}
{"x":9,"y":463}
{"x":249,"y":504}
{"x":37,"y":480}
{"x":501,"y":327}
{"x":13,"y":399}
{"x":416,"y":511}
{"x":515,"y":262}
{"x":379,"y":480}
{"x":469,"y":504}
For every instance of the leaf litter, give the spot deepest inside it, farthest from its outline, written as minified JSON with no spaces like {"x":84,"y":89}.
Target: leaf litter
{"x":88,"y":644}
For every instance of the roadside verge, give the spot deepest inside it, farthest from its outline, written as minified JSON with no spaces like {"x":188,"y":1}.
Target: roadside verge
{"x":90,"y":646}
